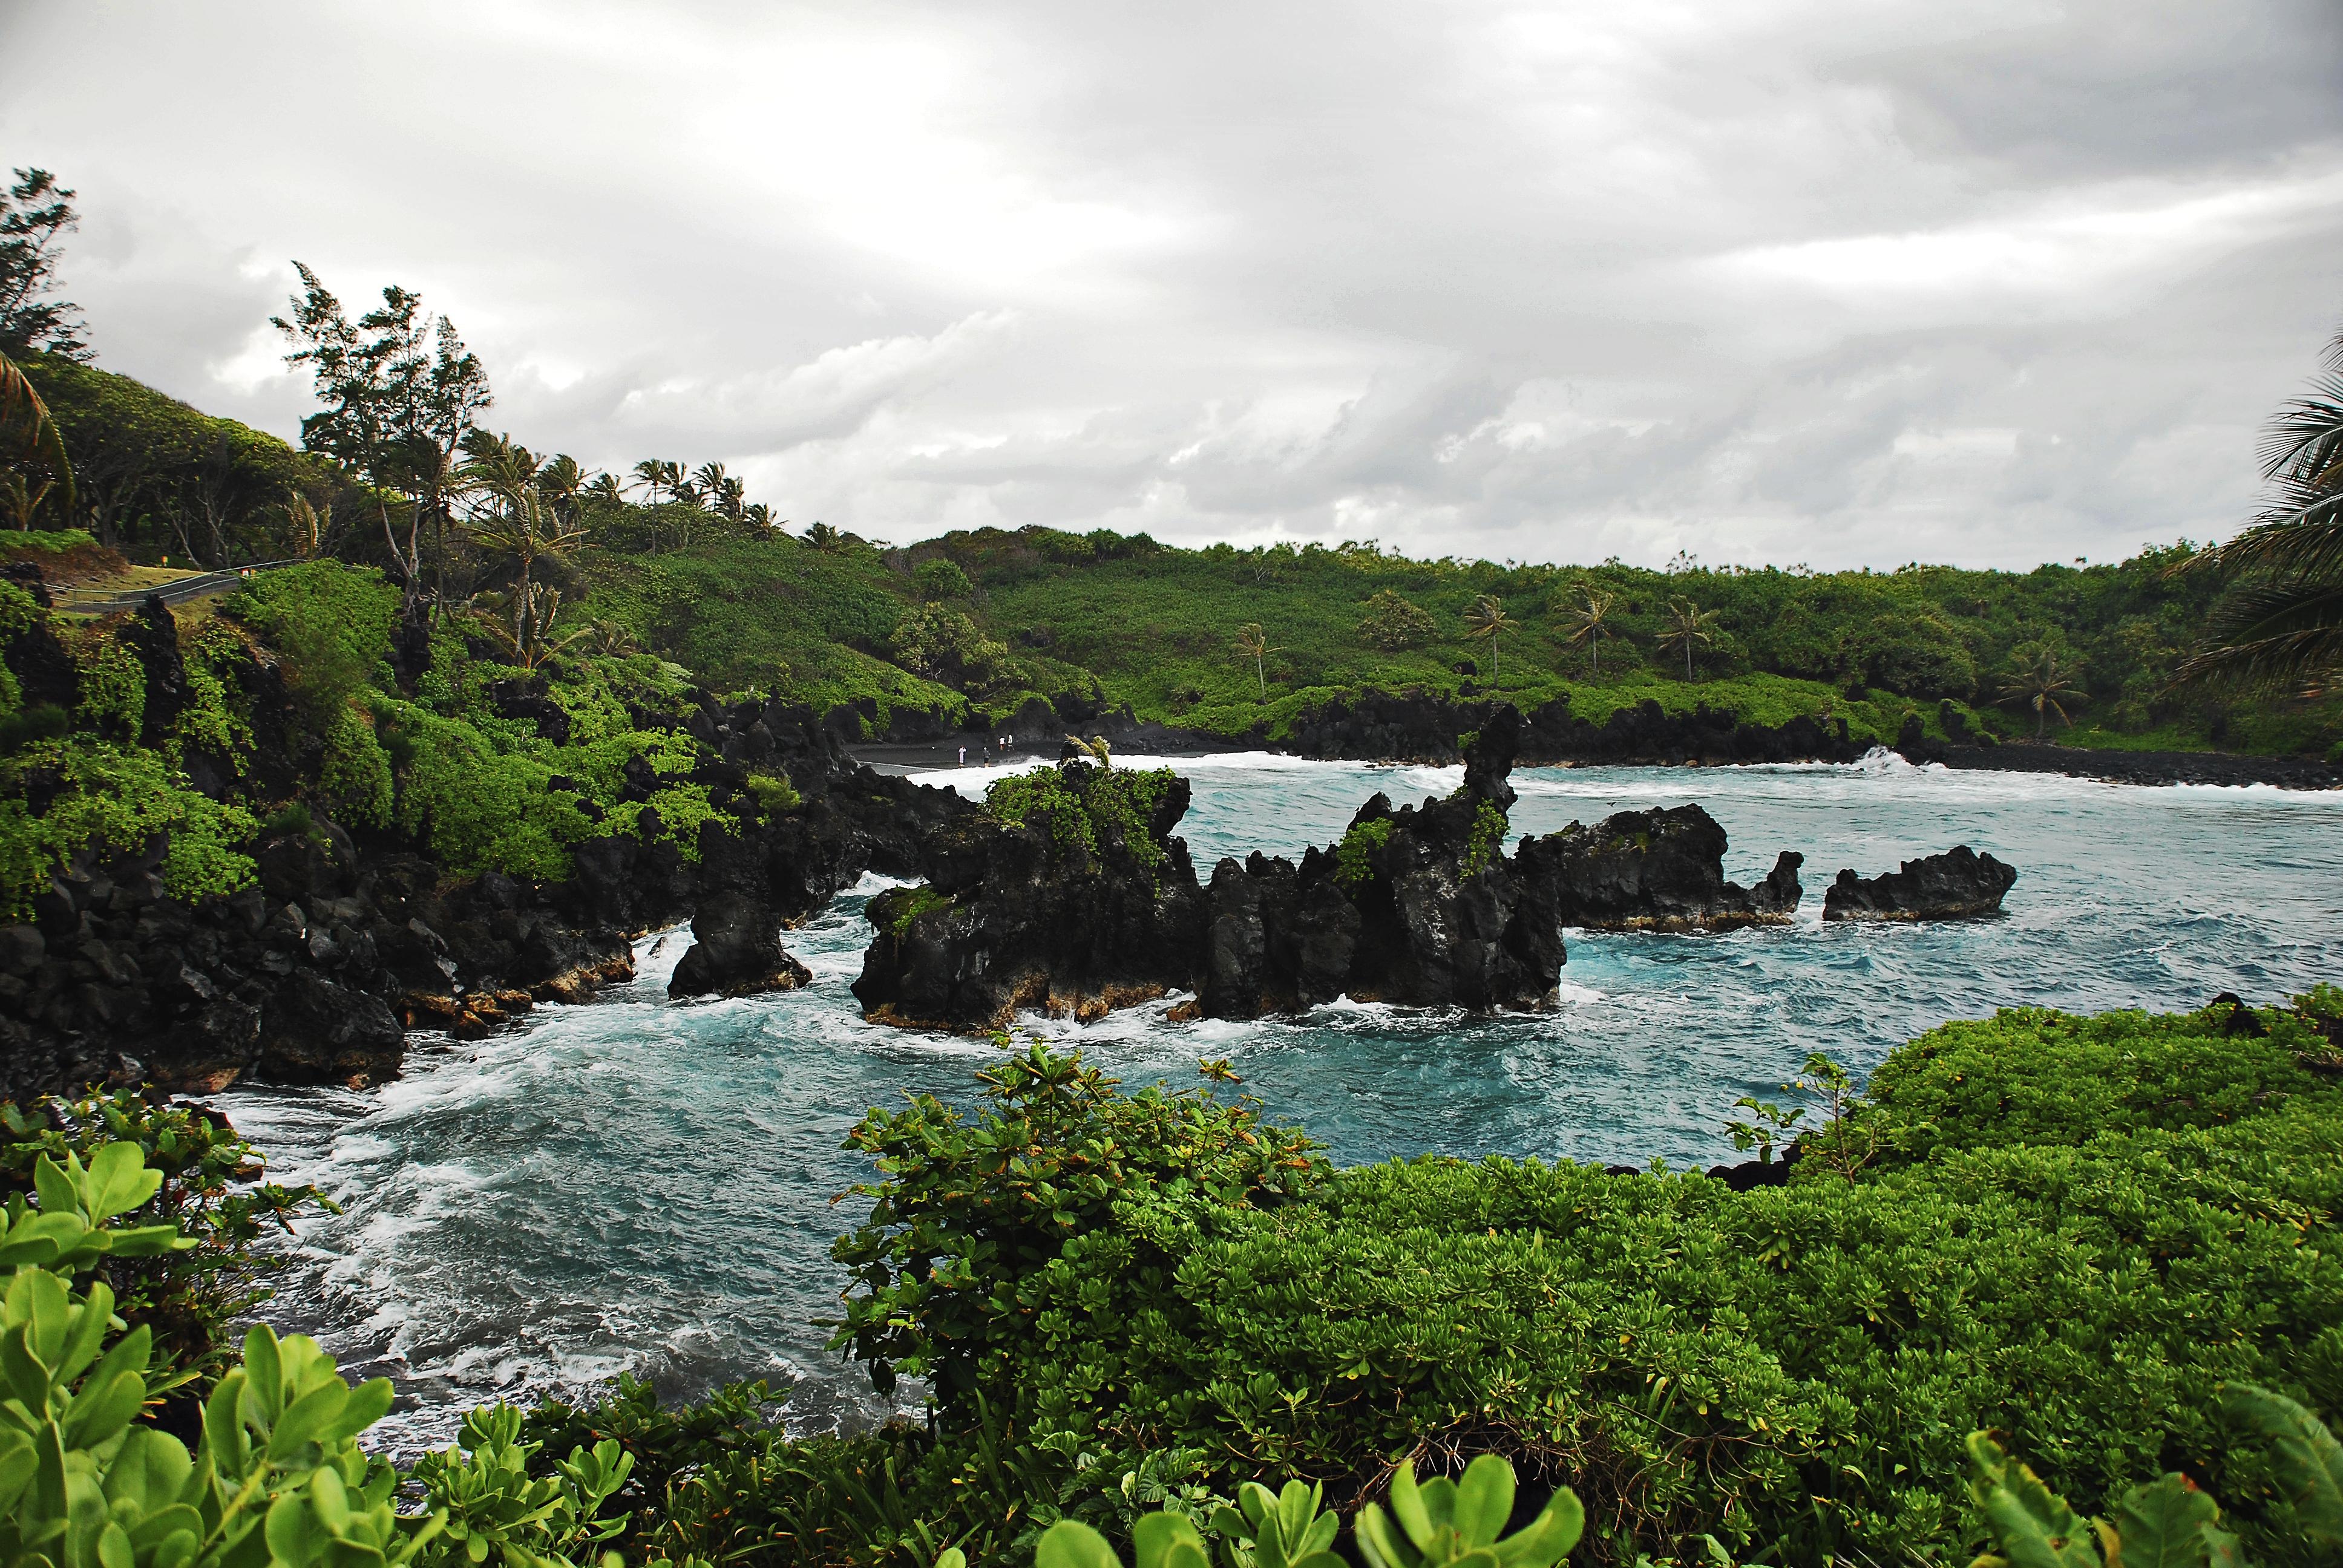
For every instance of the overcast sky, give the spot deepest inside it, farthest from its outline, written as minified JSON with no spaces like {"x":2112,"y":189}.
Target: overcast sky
{"x":1781,"y":281}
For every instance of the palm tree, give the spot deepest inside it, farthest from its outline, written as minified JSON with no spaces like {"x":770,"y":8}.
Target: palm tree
{"x":1587,"y":625}
{"x":760,"y":517}
{"x":2280,"y":626}
{"x":29,"y":435}
{"x":1487,"y":622}
{"x":1251,"y":644}
{"x":2042,"y":681}
{"x":305,"y":524}
{"x":656,"y":477}
{"x":730,"y":497}
{"x":710,"y":481}
{"x":520,"y":523}
{"x":824,"y":537}
{"x":563,"y":485}
{"x":1684,"y":625}
{"x":603,"y":489}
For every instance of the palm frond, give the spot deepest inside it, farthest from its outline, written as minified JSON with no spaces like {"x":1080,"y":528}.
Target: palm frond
{"x":2269,"y":636}
{"x":28,"y":431}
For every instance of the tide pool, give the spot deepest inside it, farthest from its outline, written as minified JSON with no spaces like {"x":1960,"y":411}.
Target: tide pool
{"x":638,"y":1185}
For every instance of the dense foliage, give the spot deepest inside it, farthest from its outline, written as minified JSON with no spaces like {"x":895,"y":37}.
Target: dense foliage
{"x":2074,"y":1231}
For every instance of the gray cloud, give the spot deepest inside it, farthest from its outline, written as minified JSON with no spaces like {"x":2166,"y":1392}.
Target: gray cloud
{"x":1832,"y":282}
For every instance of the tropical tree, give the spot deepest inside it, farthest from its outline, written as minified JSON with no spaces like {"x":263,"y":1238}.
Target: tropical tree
{"x":1487,"y":622}
{"x":401,"y":394}
{"x":32,"y":449}
{"x":1684,"y":625}
{"x":2041,"y":679}
{"x":517,"y":521}
{"x":562,"y":483}
{"x":760,"y":517}
{"x":824,"y":537}
{"x":1251,"y":644}
{"x":2279,"y":626}
{"x":305,"y":524}
{"x":32,"y":213}
{"x":1391,"y":623}
{"x":1588,"y":623}
{"x":658,"y":478}
{"x":603,"y":490}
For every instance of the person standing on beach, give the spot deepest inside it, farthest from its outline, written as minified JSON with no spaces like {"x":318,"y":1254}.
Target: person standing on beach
{"x":963,"y":756}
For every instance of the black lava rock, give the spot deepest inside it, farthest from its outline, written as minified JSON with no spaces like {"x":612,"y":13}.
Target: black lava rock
{"x":1662,"y":869}
{"x":1956,"y":884}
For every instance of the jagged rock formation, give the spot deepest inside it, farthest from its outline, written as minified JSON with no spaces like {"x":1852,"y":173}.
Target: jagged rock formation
{"x":735,"y":951}
{"x":1279,"y":940}
{"x":1955,"y":884}
{"x":1417,"y":906}
{"x":1087,"y":904}
{"x":1658,"y":870}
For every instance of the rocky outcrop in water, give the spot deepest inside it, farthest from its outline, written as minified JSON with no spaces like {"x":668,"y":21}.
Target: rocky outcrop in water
{"x":1954,"y":885}
{"x":1656,"y":870}
{"x":735,"y":951}
{"x":1087,"y":904}
{"x":1417,"y":906}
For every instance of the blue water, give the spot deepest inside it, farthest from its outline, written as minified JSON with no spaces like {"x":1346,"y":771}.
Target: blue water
{"x":636,"y":1185}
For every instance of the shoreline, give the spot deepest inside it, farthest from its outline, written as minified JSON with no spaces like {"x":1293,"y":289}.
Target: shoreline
{"x":2144,"y":768}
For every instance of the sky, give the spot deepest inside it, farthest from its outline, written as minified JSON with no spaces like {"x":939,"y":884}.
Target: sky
{"x":1846,"y":284}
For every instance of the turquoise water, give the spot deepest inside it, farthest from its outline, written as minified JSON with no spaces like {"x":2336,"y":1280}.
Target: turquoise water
{"x":635,"y":1185}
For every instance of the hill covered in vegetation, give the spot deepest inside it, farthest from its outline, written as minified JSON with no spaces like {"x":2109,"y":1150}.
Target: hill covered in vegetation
{"x":966,"y":630}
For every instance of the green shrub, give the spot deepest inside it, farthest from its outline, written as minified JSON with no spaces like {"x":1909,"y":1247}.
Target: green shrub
{"x":117,"y":798}
{"x":331,"y":623}
{"x":1075,"y":804}
{"x":204,"y":1192}
{"x":113,"y":683}
{"x":1792,"y":1370}
{"x":1487,"y":840}
{"x":773,"y":793}
{"x":1354,"y":855}
{"x":356,"y":771}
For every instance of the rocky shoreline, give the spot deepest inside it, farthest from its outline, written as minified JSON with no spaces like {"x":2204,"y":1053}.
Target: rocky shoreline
{"x":1383,"y":726}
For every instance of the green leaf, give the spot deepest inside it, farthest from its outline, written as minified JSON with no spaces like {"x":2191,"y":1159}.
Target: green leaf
{"x":2033,"y":1526}
{"x":149,"y":1469}
{"x":119,"y":1181}
{"x":1547,"y":1538}
{"x":2309,"y":1458}
{"x":368,"y":1403}
{"x":951,"y":1557}
{"x":264,"y":1373}
{"x":19,"y":1465}
{"x":1407,"y":1502}
{"x":1379,"y":1544}
{"x":58,"y":1192}
{"x":296,"y":1535}
{"x":114,"y":1547}
{"x":306,"y":1419}
{"x":1069,"y":1543}
{"x":2162,"y":1525}
{"x":1153,"y":1538}
{"x":1484,"y":1500}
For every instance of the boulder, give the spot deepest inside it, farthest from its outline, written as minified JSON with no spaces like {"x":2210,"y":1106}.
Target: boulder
{"x":1954,"y":885}
{"x":313,"y":1030}
{"x":1657,"y":870}
{"x":735,"y":951}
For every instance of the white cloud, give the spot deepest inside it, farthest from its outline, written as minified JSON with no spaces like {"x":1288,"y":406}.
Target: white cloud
{"x":1785,"y":279}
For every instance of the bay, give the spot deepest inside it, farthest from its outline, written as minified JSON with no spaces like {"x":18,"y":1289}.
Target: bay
{"x":634,"y":1185}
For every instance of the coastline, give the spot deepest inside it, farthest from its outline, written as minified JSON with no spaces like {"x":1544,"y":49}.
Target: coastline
{"x":2144,"y":768}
